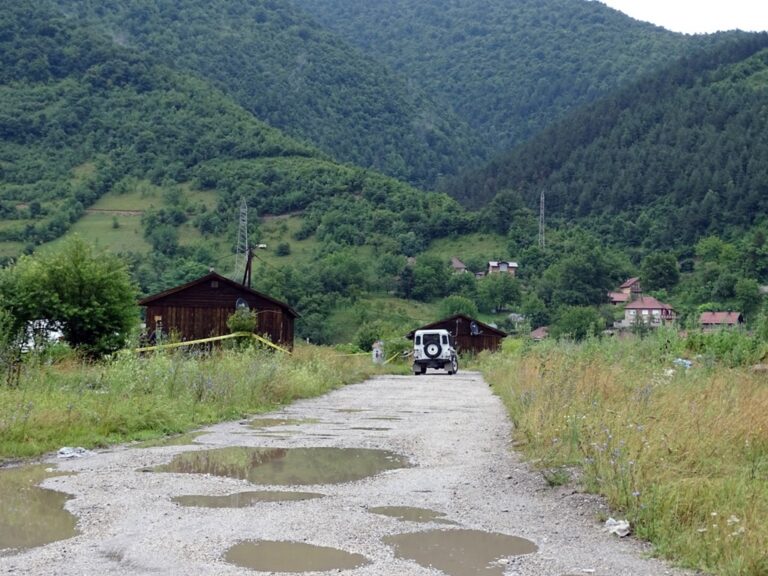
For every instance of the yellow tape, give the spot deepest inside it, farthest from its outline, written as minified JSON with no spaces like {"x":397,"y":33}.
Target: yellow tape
{"x":212,"y":339}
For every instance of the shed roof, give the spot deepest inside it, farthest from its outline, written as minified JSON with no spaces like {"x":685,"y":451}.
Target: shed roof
{"x":648,"y":303}
{"x":721,"y":318}
{"x":540,"y":333}
{"x":618,"y":297}
{"x":630,"y":282}
{"x":457,"y":264}
{"x":223,"y":279}
{"x":482,"y":325}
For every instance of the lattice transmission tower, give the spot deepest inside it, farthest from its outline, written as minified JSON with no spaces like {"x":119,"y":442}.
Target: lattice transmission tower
{"x":542,"y":240}
{"x":241,"y":253}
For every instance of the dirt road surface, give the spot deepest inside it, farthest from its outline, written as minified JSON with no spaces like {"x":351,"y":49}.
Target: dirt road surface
{"x":453,"y":432}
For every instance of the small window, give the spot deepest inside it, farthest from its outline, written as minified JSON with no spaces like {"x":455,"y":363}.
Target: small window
{"x":445,"y":339}
{"x":214,"y":283}
{"x":418,"y":340}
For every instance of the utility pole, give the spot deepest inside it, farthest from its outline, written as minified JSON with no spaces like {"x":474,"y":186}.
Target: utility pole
{"x":542,"y":241}
{"x":241,"y":254}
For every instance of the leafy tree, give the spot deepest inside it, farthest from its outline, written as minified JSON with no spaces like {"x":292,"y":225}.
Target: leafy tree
{"x":88,"y":295}
{"x":496,"y":291}
{"x":577,"y":322}
{"x":535,"y":310}
{"x":430,"y":278}
{"x":455,"y":304}
{"x":659,"y":271}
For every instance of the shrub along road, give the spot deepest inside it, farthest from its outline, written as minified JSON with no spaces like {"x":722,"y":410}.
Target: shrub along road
{"x":454,"y":434}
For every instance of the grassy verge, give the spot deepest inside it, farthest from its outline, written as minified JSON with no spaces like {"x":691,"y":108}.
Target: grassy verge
{"x":70,"y":403}
{"x":681,"y":453}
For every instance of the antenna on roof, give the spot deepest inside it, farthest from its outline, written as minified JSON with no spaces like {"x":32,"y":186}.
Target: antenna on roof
{"x":241,"y":253}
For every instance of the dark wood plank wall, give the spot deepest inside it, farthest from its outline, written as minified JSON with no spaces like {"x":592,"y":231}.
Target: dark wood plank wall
{"x":465,"y":341}
{"x":201,"y":312}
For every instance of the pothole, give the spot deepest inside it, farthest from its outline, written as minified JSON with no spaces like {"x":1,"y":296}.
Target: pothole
{"x":460,"y":552}
{"x":32,"y":516}
{"x":411,"y":514}
{"x":242,"y":499}
{"x":259,"y":423}
{"x":269,"y":556}
{"x":286,"y":466}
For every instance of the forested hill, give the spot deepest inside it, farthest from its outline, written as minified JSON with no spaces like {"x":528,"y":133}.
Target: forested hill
{"x":279,"y":64}
{"x":81,"y":117}
{"x":507,"y":67}
{"x":672,"y":158}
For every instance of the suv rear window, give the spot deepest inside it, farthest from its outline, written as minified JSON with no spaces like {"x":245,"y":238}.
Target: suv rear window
{"x":431,"y":339}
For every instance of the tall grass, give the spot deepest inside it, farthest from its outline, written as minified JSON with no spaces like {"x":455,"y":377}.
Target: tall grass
{"x":71,"y":402}
{"x":682,"y":453}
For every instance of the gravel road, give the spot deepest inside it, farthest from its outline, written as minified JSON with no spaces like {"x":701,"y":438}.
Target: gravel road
{"x":454,"y":433}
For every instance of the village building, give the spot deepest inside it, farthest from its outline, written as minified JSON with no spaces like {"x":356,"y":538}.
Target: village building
{"x":200,"y":309}
{"x":469,"y":335}
{"x":457,"y":265}
{"x":710,"y":321}
{"x":648,"y":311}
{"x":500,"y":267}
{"x":627,"y":292}
{"x":539,"y":333}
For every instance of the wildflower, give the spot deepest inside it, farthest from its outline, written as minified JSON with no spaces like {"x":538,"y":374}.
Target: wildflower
{"x":732,"y":520}
{"x":636,"y":494}
{"x":701,"y":530}
{"x":713,"y":514}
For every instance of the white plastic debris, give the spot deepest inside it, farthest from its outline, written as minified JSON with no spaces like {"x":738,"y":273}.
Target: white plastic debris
{"x":69,"y":452}
{"x":682,"y":362}
{"x":618,"y":527}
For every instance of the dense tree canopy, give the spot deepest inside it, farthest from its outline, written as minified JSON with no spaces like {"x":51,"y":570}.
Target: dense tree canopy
{"x":87,"y":295}
{"x":507,"y":68}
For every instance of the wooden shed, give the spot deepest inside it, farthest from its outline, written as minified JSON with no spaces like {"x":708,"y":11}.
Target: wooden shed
{"x":469,"y":335}
{"x":200,"y":309}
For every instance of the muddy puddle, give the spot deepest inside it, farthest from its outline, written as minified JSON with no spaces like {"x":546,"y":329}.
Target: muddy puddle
{"x":268,"y":556}
{"x":29,"y":515}
{"x":411,"y":514}
{"x":260,"y":423}
{"x":177,"y":440}
{"x":286,"y":466}
{"x":243,"y":499}
{"x":460,"y":552}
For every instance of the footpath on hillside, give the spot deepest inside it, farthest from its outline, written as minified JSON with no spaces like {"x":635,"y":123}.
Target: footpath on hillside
{"x":362,"y":479}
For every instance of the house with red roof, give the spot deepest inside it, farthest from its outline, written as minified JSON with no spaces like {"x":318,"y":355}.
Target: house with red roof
{"x":647,"y":310}
{"x":710,"y":321}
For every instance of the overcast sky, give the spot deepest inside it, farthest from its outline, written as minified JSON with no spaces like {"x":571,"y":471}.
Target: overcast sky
{"x":695,"y":16}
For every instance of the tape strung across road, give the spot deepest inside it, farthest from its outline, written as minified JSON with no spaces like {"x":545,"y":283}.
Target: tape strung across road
{"x":212,"y":339}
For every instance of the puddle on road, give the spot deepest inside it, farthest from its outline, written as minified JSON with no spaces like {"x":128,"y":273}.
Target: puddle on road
{"x":460,"y":552}
{"x":411,"y":514}
{"x":351,"y":410}
{"x":32,"y":516}
{"x":388,"y":418}
{"x":243,"y":499}
{"x":370,"y":428}
{"x":287,"y":466}
{"x":178,"y":440}
{"x":268,"y":556}
{"x":270,"y":422}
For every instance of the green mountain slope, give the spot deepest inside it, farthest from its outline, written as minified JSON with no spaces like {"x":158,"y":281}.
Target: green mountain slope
{"x":81,"y":117}
{"x":508,"y":68}
{"x":680,"y":155}
{"x":278,"y":64}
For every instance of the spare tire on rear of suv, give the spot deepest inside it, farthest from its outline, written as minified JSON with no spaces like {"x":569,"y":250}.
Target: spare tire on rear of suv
{"x":433,"y":349}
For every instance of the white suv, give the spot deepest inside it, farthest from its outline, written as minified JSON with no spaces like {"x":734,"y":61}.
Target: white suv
{"x":434,"y":349}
